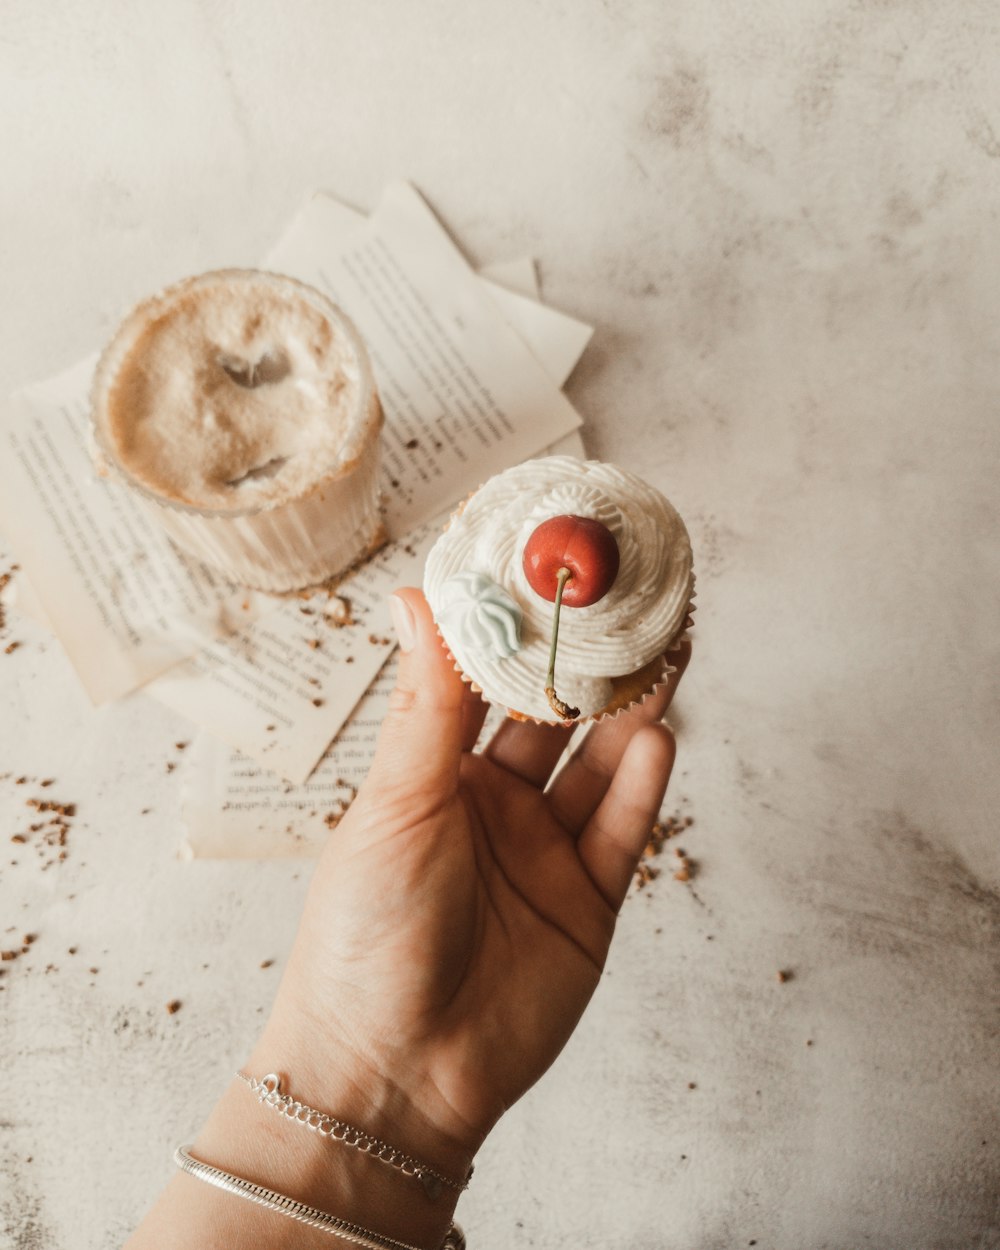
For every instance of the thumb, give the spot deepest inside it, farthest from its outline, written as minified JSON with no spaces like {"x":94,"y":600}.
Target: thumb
{"x":420,"y":743}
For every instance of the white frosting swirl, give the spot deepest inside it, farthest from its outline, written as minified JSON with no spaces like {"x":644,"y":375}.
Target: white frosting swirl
{"x":635,"y":621}
{"x":481,"y":615}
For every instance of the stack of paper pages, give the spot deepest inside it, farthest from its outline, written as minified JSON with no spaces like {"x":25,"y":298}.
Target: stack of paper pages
{"x":470,"y":368}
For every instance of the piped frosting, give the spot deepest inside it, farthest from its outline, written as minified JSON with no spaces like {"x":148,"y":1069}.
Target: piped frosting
{"x":634,"y":623}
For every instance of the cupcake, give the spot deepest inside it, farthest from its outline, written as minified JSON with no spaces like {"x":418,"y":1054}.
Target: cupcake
{"x":240,"y":408}
{"x":560,"y":588}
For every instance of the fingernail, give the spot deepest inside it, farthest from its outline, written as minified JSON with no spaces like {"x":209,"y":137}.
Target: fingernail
{"x":403,"y":623}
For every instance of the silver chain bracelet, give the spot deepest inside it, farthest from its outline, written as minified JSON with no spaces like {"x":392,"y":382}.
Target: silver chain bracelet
{"x":263,"y":1197}
{"x":268,"y":1091}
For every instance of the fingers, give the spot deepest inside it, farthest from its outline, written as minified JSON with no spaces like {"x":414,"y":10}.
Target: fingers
{"x":583,"y":783}
{"x":528,"y":751}
{"x":616,"y":834}
{"x":420,"y":742}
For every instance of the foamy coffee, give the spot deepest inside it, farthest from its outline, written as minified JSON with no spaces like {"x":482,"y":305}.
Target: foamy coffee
{"x":240,"y":406}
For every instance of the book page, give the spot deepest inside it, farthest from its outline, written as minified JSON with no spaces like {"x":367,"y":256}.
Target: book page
{"x":464,"y":396}
{"x":282,"y":688}
{"x":235,"y":809}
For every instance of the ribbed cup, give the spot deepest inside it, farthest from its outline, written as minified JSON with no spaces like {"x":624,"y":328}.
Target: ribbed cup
{"x":282,"y":544}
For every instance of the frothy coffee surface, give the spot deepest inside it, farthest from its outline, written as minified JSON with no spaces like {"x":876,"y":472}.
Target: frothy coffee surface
{"x":232,"y":393}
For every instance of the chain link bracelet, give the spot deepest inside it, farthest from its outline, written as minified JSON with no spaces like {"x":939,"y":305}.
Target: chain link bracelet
{"x":346,"y":1230}
{"x":268,"y":1092}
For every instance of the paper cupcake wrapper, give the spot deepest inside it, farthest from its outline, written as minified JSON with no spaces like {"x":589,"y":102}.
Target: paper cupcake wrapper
{"x":660,"y":671}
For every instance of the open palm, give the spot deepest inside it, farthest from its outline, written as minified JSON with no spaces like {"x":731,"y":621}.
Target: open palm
{"x":461,"y":914}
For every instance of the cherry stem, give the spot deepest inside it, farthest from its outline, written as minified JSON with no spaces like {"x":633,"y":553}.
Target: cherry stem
{"x":561,"y":709}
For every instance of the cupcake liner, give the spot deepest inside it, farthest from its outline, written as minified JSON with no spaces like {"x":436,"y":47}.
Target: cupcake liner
{"x":631,"y":689}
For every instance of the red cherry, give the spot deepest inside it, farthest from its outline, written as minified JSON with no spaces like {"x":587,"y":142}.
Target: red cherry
{"x":587,"y":548}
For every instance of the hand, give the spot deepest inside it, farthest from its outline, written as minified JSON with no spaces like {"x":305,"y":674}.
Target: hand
{"x":461,"y":914}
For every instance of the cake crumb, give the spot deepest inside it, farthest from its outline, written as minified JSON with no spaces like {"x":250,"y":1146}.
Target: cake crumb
{"x":783,"y":975}
{"x":173,"y":1007}
{"x":663,"y":830}
{"x":644,"y":874}
{"x":337,"y":611}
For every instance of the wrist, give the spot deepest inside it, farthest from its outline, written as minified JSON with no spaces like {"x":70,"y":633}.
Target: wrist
{"x":252,"y":1139}
{"x":382,"y":1085}
{"x":249,"y":1139}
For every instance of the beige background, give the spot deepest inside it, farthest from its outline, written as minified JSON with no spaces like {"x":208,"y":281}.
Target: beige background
{"x":783,"y":219}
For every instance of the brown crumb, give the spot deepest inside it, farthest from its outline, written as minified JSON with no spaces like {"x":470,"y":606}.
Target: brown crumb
{"x":49,"y":781}
{"x":181,"y":746}
{"x":644,"y":874}
{"x":266,"y":963}
{"x":314,"y":644}
{"x":170,"y":766}
{"x":29,"y":938}
{"x":662,"y":831}
{"x":411,"y":444}
{"x":11,"y":647}
{"x":270,"y":728}
{"x":18,"y":837}
{"x":173,"y":1007}
{"x":784,"y":975}
{"x":72,"y":950}
{"x":7,"y":956}
{"x":317,"y":702}
{"x":692,"y":1085}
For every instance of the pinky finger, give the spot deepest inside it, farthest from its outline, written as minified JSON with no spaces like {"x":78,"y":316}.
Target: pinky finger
{"x":617,"y":832}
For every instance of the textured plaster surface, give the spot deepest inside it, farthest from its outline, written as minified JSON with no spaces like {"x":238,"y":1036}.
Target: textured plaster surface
{"x":784,"y":220}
